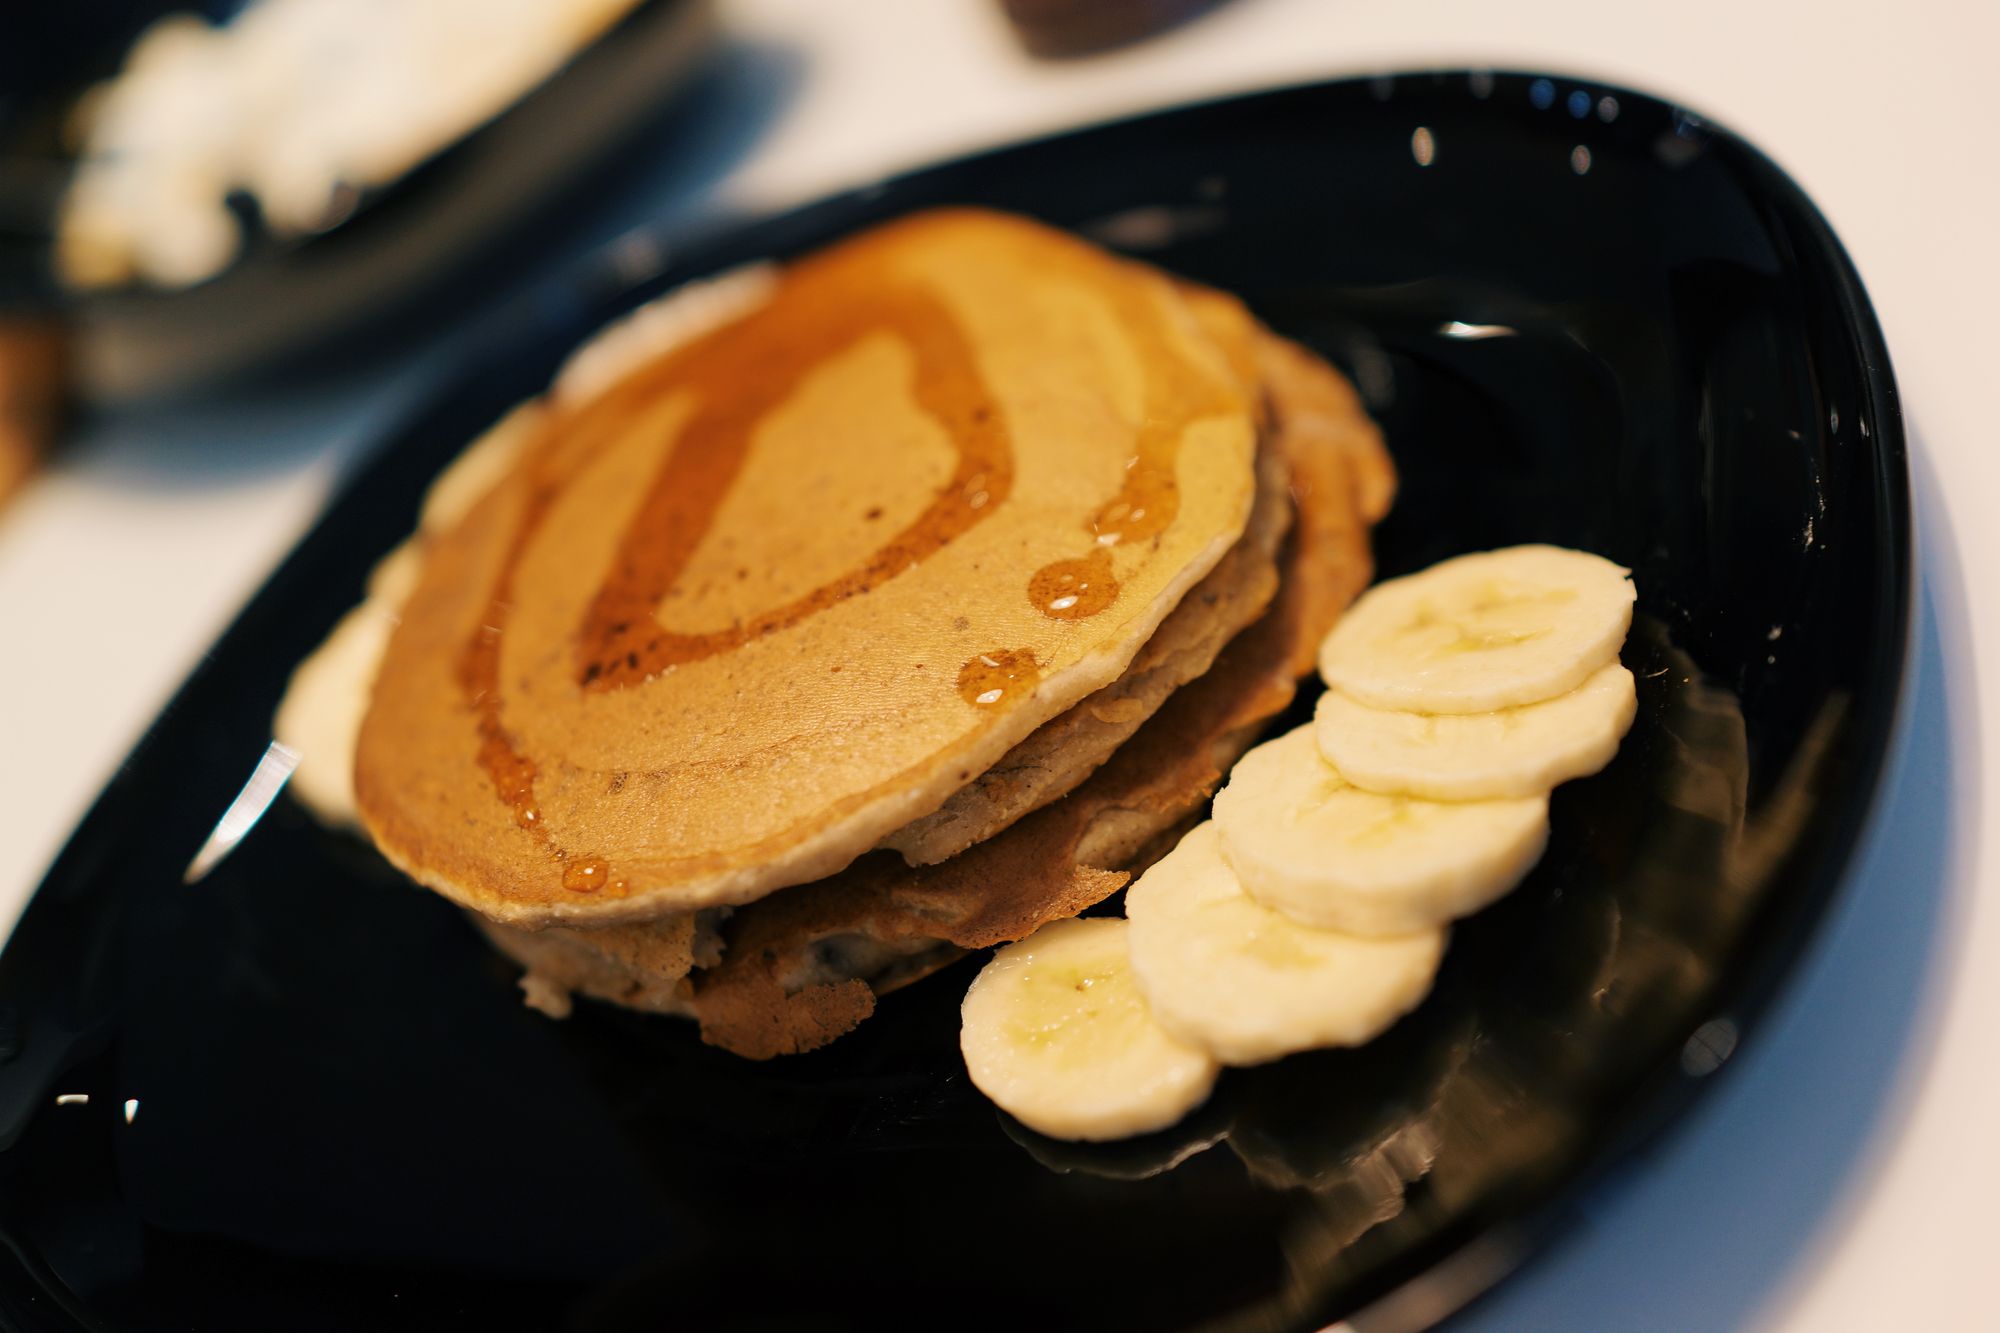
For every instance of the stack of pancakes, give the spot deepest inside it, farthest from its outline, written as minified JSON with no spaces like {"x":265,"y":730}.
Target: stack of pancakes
{"x":916,"y":602}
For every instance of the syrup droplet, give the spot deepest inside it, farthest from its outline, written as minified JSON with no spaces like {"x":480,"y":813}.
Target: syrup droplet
{"x":1073,"y":589}
{"x":1177,"y":394}
{"x":994,"y":677}
{"x":513,"y":774}
{"x":587,"y":875}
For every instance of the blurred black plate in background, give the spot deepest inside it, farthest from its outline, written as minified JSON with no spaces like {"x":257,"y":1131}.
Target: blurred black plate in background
{"x":314,"y":1100}
{"x":432,"y":239}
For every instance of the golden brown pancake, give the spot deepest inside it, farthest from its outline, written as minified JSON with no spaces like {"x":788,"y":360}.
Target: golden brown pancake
{"x":1063,"y":751}
{"x":775,"y":594}
{"x":641,"y":964}
{"x":327,"y":696}
{"x":1319,"y":405}
{"x":804,"y":966}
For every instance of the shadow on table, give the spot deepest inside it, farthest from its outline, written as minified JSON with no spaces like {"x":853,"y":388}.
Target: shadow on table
{"x":1716,"y":1226}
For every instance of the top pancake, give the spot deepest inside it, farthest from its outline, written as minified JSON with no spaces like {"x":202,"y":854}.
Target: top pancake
{"x":776,"y":593}
{"x":803,"y":966}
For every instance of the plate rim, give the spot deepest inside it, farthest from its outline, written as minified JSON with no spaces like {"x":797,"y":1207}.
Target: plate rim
{"x":601,"y":286}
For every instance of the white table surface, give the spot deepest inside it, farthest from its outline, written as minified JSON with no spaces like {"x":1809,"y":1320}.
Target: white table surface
{"x":1838,"y":1176}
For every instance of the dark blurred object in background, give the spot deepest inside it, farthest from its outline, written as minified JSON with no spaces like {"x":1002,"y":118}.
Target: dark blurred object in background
{"x":48,"y":53}
{"x":403,"y":258}
{"x":1062,"y":29}
{"x":47,"y":49}
{"x":33,"y":373}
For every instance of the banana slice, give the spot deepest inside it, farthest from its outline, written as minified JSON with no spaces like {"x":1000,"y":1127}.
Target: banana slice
{"x":1248,"y":984}
{"x":1473,"y":756}
{"x":1056,"y":1032}
{"x":1486,"y":631}
{"x":1306,"y":842}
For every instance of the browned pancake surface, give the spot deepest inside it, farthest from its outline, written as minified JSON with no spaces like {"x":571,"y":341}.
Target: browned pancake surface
{"x":1051,"y":865}
{"x":778,"y":988}
{"x":1063,"y":751}
{"x":783,"y":590}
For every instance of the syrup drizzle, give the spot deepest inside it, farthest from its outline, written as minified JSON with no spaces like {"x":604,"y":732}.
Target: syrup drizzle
{"x":621,"y":642}
{"x":1175,"y":394}
{"x":827,"y":304}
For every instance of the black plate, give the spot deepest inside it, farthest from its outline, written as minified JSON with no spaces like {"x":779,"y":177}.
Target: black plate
{"x":315,"y":1102}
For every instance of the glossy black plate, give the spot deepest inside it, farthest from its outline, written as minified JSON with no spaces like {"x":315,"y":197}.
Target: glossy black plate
{"x":315,"y":1102}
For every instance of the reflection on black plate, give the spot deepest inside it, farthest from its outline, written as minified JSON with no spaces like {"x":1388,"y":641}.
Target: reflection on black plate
{"x":315,"y":1102}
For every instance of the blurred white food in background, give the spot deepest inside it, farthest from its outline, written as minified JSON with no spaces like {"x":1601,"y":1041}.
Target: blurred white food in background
{"x":298,"y":103}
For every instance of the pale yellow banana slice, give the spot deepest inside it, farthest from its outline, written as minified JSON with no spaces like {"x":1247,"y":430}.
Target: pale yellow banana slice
{"x":1308,"y":843}
{"x":1473,"y":756}
{"x":1248,"y":984}
{"x":1056,"y":1032}
{"x":1491,"y":630}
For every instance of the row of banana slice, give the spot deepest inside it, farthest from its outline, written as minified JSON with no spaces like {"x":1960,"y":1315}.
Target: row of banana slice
{"x":1313,"y":909}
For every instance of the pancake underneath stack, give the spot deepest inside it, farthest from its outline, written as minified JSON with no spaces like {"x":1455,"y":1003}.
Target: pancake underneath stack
{"x":961,"y":541}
